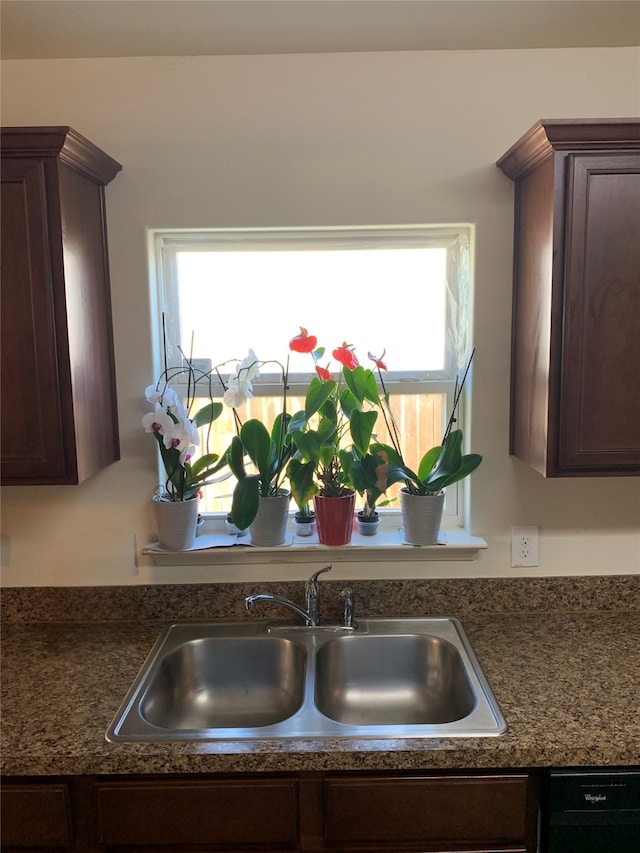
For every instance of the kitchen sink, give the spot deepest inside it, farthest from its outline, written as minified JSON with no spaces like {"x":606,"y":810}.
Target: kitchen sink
{"x":249,"y":680}
{"x":218,"y":682}
{"x":411,"y":679}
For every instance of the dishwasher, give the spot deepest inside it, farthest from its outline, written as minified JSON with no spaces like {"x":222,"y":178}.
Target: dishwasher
{"x":590,"y":810}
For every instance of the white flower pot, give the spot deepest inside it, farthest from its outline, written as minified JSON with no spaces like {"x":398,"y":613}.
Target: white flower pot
{"x":421,"y":517}
{"x":176,"y":523}
{"x":269,"y":527}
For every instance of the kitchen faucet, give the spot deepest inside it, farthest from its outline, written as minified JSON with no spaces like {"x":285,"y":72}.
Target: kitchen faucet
{"x":311,"y":615}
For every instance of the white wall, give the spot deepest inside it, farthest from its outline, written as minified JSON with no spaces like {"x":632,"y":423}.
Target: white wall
{"x":353,"y":139}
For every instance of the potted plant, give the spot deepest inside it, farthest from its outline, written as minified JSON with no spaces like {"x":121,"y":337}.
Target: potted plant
{"x":335,"y":411}
{"x":369,"y":475}
{"x":260,"y":500}
{"x":303,"y":488}
{"x":177,"y":435}
{"x":422,"y":496}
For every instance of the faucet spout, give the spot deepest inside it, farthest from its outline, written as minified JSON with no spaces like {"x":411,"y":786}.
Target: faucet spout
{"x":251,"y":601}
{"x":311,"y":615}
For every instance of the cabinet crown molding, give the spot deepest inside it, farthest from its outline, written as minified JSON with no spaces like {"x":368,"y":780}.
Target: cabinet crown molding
{"x":549,"y":135}
{"x":64,"y":142}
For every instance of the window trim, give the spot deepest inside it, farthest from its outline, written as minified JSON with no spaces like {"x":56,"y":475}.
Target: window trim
{"x":165,"y":243}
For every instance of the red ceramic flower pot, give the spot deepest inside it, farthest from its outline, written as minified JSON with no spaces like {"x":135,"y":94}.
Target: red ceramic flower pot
{"x":334,"y":518}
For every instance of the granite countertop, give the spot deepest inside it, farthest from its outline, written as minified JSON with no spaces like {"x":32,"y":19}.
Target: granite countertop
{"x":566,"y":680}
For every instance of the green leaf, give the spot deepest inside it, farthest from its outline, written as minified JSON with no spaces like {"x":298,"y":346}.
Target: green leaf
{"x":317,"y":394}
{"x":203,"y":462}
{"x":301,"y":479}
{"x":393,"y":457}
{"x":235,"y":458}
{"x":308,"y":444}
{"x":326,"y":453}
{"x":448,"y":460}
{"x":297,"y":422}
{"x":348,"y":402}
{"x":362,"y":383}
{"x":468,"y":464}
{"x":245,"y":502}
{"x":208,"y":414}
{"x":398,"y":473}
{"x":327,"y":430}
{"x":361,"y":426}
{"x":428,"y":461}
{"x":257,"y":442}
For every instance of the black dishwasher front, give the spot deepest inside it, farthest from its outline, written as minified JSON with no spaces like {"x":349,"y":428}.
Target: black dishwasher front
{"x":591,"y":811}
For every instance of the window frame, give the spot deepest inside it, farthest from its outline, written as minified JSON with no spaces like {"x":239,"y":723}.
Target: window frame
{"x":165,"y":243}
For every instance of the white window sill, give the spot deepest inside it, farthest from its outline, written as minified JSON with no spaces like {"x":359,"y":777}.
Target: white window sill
{"x":214,"y":547}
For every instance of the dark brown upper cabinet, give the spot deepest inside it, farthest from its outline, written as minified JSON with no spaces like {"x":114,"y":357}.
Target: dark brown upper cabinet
{"x":59,"y":412}
{"x":575,"y":353}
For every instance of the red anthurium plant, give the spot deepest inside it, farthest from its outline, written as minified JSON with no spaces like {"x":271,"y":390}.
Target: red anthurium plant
{"x":337,"y":425}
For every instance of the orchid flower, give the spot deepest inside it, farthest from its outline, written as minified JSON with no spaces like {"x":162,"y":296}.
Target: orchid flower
{"x":157,"y":421}
{"x":177,"y":436}
{"x":166,"y":396}
{"x":237,"y":394}
{"x":249,"y":368}
{"x":240,"y":386}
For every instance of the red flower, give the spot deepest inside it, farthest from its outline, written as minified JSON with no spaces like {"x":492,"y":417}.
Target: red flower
{"x":379,"y":363}
{"x":303,"y":342}
{"x":323,"y":373}
{"x":345,"y":355}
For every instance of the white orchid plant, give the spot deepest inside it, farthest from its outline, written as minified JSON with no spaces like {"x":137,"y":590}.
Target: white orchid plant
{"x":178,"y":437}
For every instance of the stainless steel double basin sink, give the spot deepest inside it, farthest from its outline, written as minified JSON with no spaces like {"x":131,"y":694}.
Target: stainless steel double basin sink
{"x":389,"y":678}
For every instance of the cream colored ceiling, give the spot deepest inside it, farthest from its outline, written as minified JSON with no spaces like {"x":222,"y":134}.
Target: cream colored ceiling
{"x":92,"y":28}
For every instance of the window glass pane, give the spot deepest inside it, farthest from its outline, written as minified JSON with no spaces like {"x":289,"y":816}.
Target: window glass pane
{"x":375,"y":299}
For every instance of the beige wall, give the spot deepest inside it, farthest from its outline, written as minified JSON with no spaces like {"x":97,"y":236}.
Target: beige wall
{"x":354,"y":139}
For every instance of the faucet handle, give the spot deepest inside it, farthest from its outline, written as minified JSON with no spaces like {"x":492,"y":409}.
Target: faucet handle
{"x":312,"y":583}
{"x":348,"y":621}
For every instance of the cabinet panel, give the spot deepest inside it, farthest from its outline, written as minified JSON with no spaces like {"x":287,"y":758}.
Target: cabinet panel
{"x":32,"y":424}
{"x":453,"y":811}
{"x":576,"y":297}
{"x":601,"y":344}
{"x":160,"y":813}
{"x":35,"y":816}
{"x":59,"y":423}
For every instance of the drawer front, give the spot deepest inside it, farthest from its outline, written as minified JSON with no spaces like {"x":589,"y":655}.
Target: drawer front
{"x":36,"y":816}
{"x":474,"y":809}
{"x":159,"y":813}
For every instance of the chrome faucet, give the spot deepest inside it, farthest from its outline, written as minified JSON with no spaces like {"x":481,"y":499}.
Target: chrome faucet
{"x":311,"y":615}
{"x":348,"y":620}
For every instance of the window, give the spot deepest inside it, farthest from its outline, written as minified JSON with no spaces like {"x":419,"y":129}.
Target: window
{"x":403,"y":289}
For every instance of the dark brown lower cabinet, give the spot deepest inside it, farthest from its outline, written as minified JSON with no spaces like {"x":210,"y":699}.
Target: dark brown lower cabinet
{"x":475,"y":812}
{"x":36,"y":816}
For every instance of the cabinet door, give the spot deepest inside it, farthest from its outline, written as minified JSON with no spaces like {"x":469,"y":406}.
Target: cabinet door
{"x":430,"y":813}
{"x":599,"y":425}
{"x":59,"y":412}
{"x":246,"y":814}
{"x":32,"y":426}
{"x":35,"y":816}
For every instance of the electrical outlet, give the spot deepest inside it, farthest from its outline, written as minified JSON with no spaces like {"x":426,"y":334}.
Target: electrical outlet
{"x":524,"y":546}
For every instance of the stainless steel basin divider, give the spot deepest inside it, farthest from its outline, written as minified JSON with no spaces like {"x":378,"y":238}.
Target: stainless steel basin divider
{"x":251,"y":680}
